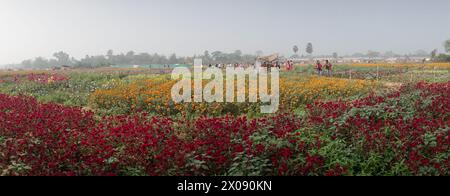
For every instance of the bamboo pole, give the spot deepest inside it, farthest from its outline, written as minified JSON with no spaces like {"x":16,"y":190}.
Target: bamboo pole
{"x":378,"y":72}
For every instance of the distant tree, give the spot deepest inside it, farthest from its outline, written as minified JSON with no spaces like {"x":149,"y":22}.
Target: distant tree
{"x":447,"y":46}
{"x":163,"y":60}
{"x":309,"y":49}
{"x":40,"y":62}
{"x":259,"y":53}
{"x":130,"y":54}
{"x":155,"y":59}
{"x":85,"y":62}
{"x":142,"y":59}
{"x":27,"y":63}
{"x":390,"y":54}
{"x":130,"y":58}
{"x":249,"y":59}
{"x":295,"y":49}
{"x":188,"y":60}
{"x":173,"y":59}
{"x":238,"y":53}
{"x":358,"y":54}
{"x":442,"y":58}
{"x":433,"y":54}
{"x":54,"y":62}
{"x":206,"y":54}
{"x":99,"y":61}
{"x":63,"y":58}
{"x":217,"y":56}
{"x":207,"y":57}
{"x":120,"y":59}
{"x":335,"y":55}
{"x":420,"y":53}
{"x":373,"y":54}
{"x":110,"y":55}
{"x":236,"y":56}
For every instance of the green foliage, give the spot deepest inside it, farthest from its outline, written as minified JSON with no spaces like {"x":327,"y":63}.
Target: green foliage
{"x":442,"y":58}
{"x":245,"y":165}
{"x":130,"y":171}
{"x":337,"y":147}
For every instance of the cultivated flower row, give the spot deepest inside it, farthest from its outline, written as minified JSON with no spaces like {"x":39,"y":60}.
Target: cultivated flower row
{"x":404,"y":133}
{"x":154,"y":96}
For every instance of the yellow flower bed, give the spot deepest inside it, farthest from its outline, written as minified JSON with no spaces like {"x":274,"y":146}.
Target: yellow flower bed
{"x":131,"y":95}
{"x":412,"y":65}
{"x":299,"y":91}
{"x":154,"y":95}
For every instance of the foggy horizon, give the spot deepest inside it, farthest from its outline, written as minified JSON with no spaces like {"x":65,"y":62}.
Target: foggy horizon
{"x":31,"y":29}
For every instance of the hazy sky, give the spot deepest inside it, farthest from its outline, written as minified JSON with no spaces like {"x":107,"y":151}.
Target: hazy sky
{"x":30,"y":28}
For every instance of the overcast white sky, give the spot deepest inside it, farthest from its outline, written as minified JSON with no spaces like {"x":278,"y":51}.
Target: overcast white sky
{"x":30,"y":28}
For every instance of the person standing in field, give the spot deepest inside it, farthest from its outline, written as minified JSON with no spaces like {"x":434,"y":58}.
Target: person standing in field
{"x":287,"y":64}
{"x":278,"y":65}
{"x":329,"y":68}
{"x":319,"y":68}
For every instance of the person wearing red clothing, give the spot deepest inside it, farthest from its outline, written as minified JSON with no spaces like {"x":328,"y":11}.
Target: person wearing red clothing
{"x":319,"y":68}
{"x":289,"y":65}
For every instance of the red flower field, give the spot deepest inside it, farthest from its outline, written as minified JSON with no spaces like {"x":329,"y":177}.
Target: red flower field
{"x":404,"y":133}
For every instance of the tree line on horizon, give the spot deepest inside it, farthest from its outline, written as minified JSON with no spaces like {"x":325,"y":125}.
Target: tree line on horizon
{"x":131,"y":58}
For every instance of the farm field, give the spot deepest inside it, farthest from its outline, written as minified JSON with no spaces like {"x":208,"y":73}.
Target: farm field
{"x":368,"y":120}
